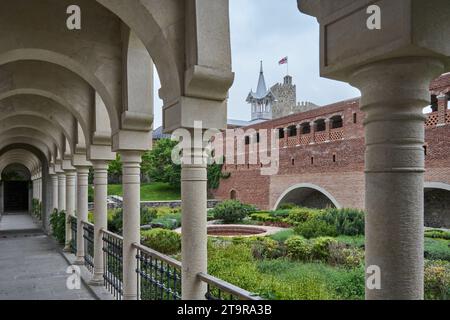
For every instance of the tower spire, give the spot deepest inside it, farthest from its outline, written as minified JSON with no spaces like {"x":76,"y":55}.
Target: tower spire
{"x":261,"y":90}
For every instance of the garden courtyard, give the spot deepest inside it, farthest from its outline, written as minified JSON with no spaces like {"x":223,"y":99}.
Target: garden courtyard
{"x":316,"y":255}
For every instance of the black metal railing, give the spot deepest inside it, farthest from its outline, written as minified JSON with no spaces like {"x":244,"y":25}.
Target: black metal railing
{"x":88,"y":235}
{"x":73,"y":227}
{"x":220,"y":290}
{"x":158,"y":276}
{"x":113,"y":263}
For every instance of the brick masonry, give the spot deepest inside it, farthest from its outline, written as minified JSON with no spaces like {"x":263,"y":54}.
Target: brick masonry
{"x":335,"y":165}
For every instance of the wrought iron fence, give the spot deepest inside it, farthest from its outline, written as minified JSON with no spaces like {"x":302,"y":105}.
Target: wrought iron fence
{"x":158,"y":276}
{"x":113,"y":263}
{"x":220,"y":290}
{"x":88,"y":235}
{"x":73,"y":228}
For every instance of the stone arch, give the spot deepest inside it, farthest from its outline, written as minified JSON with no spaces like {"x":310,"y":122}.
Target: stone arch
{"x":13,"y":147}
{"x":299,"y":192}
{"x":437,"y":205}
{"x":52,"y":132}
{"x":72,"y":65}
{"x":151,"y":25}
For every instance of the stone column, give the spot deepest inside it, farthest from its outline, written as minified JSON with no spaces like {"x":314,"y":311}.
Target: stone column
{"x":328,"y":129}
{"x":394,"y":93}
{"x":100,"y":217}
{"x":131,"y":179}
{"x":82,"y":210}
{"x":313,"y":127}
{"x":194,"y":221}
{"x":71,"y":177}
{"x":286,"y":137}
{"x":61,"y":191}
{"x":55,"y":204}
{"x":442,"y":109}
{"x":299,"y":134}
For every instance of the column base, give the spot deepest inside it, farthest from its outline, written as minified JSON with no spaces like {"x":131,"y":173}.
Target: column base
{"x":130,"y":297}
{"x":97,"y":280}
{"x":79,"y":261}
{"x":67,"y":248}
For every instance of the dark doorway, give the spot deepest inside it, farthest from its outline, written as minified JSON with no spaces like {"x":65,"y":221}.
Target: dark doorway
{"x":16,"y":196}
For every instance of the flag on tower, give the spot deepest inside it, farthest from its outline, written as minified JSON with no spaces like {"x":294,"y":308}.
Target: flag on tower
{"x":283,"y":61}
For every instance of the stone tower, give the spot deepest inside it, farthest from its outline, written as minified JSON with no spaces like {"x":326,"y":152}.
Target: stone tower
{"x":261,"y":100}
{"x":286,"y":100}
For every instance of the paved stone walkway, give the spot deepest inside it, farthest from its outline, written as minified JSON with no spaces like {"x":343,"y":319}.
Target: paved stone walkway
{"x":31,"y":267}
{"x":17,"y":222}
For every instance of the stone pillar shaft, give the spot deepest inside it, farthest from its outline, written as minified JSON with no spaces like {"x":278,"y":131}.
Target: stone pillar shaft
{"x":100,"y":217}
{"x":82,"y":210}
{"x":62,"y":191}
{"x":131,"y":179}
{"x":55,"y":204}
{"x":71,"y":177}
{"x":442,"y":109}
{"x":194,"y":221}
{"x":394,"y":93}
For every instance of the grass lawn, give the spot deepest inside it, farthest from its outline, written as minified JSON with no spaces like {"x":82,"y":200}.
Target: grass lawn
{"x":282,"y":279}
{"x":149,"y":192}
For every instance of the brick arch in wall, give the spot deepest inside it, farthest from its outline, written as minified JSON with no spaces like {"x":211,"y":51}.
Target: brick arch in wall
{"x":437,"y":205}
{"x":298,"y":192}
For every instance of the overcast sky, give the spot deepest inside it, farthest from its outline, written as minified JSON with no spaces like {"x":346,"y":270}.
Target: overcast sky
{"x":269,"y":30}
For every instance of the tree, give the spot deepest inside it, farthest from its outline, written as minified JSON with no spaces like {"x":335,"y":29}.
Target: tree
{"x":159,"y":166}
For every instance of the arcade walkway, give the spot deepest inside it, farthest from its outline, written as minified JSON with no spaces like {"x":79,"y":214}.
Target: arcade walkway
{"x":31,"y":267}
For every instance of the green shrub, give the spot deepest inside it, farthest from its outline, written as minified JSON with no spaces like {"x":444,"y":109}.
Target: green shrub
{"x":267,"y":248}
{"x":349,"y":222}
{"x":321,"y":248}
{"x":58,"y":224}
{"x":342,"y":255}
{"x":437,"y":249}
{"x":36,"y":209}
{"x":232,"y":211}
{"x":263,"y":217}
{"x":437,"y":280}
{"x":437,"y":234}
{"x":298,"y":248}
{"x":115,"y":220}
{"x":301,"y":215}
{"x":161,"y":240}
{"x":147,"y":215}
{"x":282,"y":236}
{"x":287,"y":206}
{"x":315,"y":227}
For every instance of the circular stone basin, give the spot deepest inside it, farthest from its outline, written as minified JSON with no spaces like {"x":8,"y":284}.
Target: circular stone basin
{"x":235,"y":231}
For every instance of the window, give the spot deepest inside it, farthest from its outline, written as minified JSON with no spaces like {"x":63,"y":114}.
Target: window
{"x":257,"y":138}
{"x":334,"y":158}
{"x":292,"y":131}
{"x":293,"y":162}
{"x":305,"y":128}
{"x":312,"y":160}
{"x":247,"y":140}
{"x":233,"y":195}
{"x":425,"y":149}
{"x":281,"y":133}
{"x":355,"y":117}
{"x":337,"y":122}
{"x":321,"y":126}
